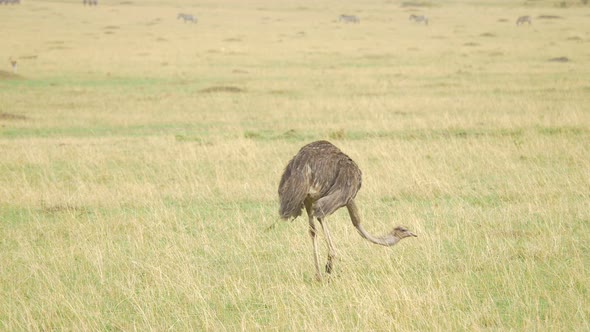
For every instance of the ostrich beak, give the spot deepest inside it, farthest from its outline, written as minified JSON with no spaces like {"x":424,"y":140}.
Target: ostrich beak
{"x":412,"y":234}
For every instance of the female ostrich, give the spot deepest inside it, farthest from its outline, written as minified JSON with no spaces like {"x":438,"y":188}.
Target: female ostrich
{"x":322,"y":179}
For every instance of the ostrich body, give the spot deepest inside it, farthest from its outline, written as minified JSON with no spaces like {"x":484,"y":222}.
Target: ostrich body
{"x":322,"y":179}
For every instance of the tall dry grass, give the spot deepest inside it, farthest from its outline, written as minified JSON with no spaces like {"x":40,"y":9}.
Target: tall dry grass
{"x":141,"y":156}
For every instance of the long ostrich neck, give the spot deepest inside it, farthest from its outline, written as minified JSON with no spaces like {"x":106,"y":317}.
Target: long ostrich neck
{"x":386,"y":240}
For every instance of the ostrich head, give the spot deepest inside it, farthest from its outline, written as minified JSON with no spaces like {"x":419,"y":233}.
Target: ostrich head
{"x":391,"y":238}
{"x":401,"y":232}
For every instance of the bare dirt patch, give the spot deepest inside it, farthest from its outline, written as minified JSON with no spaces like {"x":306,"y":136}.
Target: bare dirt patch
{"x":10,"y":116}
{"x":279,"y":92}
{"x":230,"y":89}
{"x":559,"y":59}
{"x":6,"y":75}
{"x":549,"y":17}
{"x":416,"y":4}
{"x":64,"y":208}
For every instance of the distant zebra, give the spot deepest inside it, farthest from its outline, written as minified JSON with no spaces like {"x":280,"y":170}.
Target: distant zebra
{"x":90,"y":2}
{"x":348,"y":18}
{"x":523,"y":20}
{"x":419,"y":19}
{"x":186,"y":17}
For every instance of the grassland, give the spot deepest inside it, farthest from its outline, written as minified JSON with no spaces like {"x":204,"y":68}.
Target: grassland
{"x":140,"y":158}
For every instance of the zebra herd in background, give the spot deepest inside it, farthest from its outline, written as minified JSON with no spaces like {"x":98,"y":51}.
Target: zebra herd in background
{"x":419,"y":19}
{"x":342,"y":18}
{"x":191,"y":18}
{"x":355,"y":19}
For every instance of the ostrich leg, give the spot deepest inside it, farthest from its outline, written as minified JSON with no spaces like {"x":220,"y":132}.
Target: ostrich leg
{"x":331,"y":249}
{"x":313,"y":233}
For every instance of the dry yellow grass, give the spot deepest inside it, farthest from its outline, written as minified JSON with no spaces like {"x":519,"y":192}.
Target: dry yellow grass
{"x":141,"y":155}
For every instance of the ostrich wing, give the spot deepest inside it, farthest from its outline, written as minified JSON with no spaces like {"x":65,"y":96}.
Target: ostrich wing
{"x":293,"y":189}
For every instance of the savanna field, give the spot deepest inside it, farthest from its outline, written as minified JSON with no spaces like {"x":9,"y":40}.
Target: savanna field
{"x":140,"y":158}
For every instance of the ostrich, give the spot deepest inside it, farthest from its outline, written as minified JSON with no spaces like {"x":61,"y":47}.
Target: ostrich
{"x":322,"y":179}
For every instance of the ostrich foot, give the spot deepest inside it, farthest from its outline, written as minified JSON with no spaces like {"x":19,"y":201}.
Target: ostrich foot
{"x":329,"y":267}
